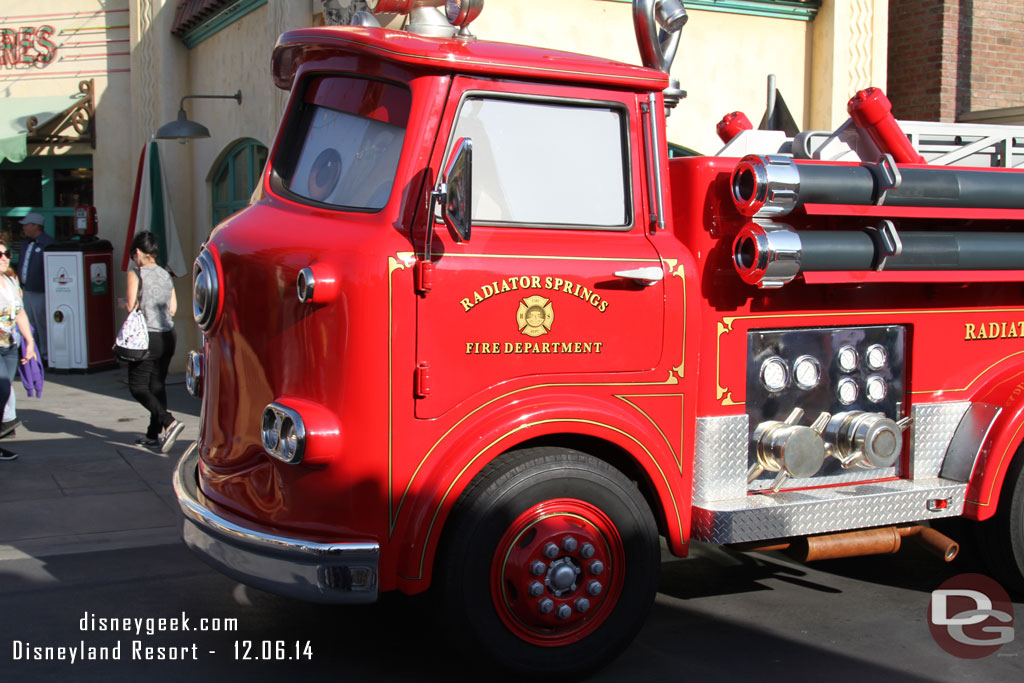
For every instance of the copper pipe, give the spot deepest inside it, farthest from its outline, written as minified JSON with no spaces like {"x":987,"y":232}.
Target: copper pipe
{"x":935,"y":542}
{"x":884,"y":540}
{"x":847,"y":544}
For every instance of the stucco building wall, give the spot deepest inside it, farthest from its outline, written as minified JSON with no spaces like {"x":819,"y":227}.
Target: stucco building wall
{"x":723,"y":63}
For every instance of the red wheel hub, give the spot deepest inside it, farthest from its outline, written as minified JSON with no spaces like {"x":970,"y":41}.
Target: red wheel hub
{"x":557,"y":572}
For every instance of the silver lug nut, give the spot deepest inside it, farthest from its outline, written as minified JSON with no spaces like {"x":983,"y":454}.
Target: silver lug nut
{"x":564,"y":611}
{"x":569,"y":544}
{"x":582,"y":605}
{"x":546,"y":605}
{"x":538,"y":568}
{"x":595,"y":588}
{"x":551,"y":551}
{"x":536,"y":589}
{"x":596,"y":567}
{"x":587,"y":551}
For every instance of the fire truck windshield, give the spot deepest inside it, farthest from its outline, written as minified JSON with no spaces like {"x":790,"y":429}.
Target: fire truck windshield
{"x":349,"y":136}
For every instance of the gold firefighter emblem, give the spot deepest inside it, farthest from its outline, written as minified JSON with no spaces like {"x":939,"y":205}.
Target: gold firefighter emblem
{"x":535,"y":316}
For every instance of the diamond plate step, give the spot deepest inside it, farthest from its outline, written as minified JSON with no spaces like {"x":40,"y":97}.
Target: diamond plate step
{"x":799,"y":513}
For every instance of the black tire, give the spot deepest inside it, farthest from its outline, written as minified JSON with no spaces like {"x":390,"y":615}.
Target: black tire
{"x":499,"y":529}
{"x":1001,"y":538}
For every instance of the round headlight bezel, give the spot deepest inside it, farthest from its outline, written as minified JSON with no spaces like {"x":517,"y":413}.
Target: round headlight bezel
{"x":205,"y":291}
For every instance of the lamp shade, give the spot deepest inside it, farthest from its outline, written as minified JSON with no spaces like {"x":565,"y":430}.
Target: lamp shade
{"x":182,"y":128}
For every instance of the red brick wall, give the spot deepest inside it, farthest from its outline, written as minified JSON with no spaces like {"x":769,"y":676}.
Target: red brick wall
{"x":948,"y":57}
{"x":997,"y":55}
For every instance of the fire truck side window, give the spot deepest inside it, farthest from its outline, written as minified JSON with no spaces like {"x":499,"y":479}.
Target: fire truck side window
{"x":350,"y":135}
{"x":547,"y":163}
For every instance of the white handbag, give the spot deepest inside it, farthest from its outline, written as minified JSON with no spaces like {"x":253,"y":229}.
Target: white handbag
{"x":132,"y":343}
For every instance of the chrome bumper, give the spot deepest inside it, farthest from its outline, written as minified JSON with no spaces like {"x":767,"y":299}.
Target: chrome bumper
{"x":337,"y":573}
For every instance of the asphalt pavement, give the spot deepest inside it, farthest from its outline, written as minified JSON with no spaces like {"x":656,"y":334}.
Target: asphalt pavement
{"x":89,"y":526}
{"x":79,"y":483}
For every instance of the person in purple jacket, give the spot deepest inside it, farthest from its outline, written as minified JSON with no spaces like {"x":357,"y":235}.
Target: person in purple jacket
{"x":12,"y":315}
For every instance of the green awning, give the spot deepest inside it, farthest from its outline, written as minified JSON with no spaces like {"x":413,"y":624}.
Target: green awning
{"x":14,"y":115}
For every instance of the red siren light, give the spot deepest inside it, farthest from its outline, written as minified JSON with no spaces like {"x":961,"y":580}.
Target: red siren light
{"x":871,"y":111}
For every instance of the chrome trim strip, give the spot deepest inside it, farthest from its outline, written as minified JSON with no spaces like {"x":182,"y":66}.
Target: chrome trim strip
{"x":656,"y":154}
{"x":337,"y":573}
{"x":966,"y":445}
{"x":648,"y":117}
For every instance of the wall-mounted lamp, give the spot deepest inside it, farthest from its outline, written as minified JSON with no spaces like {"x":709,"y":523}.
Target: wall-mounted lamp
{"x":182,"y":129}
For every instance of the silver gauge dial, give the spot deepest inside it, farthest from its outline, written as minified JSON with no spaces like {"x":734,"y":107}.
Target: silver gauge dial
{"x":807,"y":372}
{"x":877,"y":356}
{"x":876,"y":389}
{"x":847,"y":358}
{"x":847,"y":391}
{"x":774,"y":374}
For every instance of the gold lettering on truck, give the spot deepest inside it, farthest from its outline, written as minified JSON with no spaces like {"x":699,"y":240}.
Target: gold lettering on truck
{"x":526,"y":348}
{"x":522,"y":282}
{"x":1007,"y":329}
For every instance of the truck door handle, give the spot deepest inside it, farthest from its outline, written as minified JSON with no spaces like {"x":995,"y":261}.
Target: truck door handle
{"x":647,"y":276}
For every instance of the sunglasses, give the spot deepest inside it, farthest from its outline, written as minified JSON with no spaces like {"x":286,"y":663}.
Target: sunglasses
{"x":6,"y":253}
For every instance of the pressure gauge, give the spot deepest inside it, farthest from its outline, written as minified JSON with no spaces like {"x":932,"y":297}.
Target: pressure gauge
{"x":774,"y":374}
{"x":807,"y":372}
{"x":847,"y":358}
{"x":847,"y":391}
{"x":876,"y":356}
{"x":876,"y":389}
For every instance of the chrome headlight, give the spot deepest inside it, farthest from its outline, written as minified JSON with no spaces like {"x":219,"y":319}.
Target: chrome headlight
{"x":205,"y":291}
{"x":283,"y":433}
{"x":194,"y":374}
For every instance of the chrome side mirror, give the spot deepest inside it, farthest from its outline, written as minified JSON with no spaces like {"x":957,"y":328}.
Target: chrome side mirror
{"x":455,"y":191}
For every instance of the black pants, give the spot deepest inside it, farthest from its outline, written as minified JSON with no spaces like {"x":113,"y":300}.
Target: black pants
{"x":146,"y":380}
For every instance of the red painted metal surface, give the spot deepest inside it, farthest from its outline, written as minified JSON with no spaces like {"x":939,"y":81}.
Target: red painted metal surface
{"x":414,"y":390}
{"x":493,"y":60}
{"x":947,"y":213}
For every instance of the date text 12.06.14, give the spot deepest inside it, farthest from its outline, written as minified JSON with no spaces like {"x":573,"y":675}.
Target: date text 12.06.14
{"x":277,"y":650}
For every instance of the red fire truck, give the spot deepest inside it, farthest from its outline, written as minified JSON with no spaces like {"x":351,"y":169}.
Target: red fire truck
{"x":477,"y":333}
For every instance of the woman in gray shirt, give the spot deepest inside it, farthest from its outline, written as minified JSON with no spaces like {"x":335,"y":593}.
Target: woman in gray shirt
{"x":150,"y":286}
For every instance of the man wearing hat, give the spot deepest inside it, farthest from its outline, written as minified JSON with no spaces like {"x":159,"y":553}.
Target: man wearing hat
{"x":33,"y":282}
